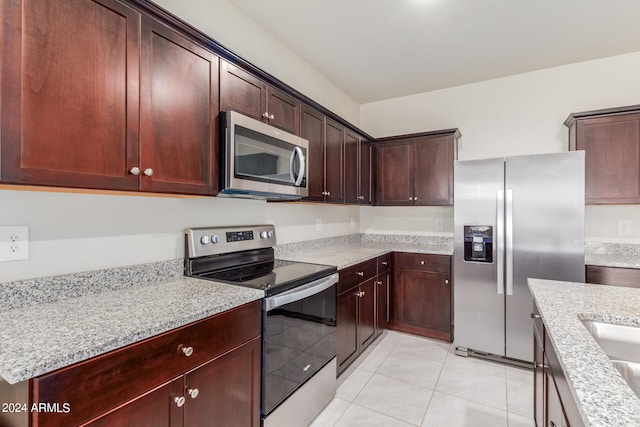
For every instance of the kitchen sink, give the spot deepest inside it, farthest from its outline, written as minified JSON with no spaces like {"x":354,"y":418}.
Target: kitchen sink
{"x":622,"y":345}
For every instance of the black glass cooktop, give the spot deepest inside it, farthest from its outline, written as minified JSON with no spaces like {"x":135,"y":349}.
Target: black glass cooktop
{"x":273,"y":276}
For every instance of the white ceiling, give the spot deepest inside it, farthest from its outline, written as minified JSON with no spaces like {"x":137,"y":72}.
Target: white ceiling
{"x":380,"y":49}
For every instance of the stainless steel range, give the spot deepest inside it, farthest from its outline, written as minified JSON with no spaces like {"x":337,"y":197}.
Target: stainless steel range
{"x":299,"y":316}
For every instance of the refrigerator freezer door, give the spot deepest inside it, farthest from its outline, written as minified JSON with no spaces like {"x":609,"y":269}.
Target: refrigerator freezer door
{"x":477,"y":292}
{"x":547,"y":213}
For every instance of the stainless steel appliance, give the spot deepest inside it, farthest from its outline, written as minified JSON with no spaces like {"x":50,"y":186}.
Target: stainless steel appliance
{"x":514,"y":218}
{"x":261,"y":161}
{"x":299,"y":316}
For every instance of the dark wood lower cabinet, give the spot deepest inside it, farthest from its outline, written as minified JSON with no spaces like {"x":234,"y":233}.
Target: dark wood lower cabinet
{"x":204,"y":373}
{"x":421,"y":295}
{"x":367,"y":313}
{"x":382,"y":302}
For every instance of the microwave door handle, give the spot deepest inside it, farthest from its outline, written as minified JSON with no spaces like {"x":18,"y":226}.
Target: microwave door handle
{"x":296,"y":181}
{"x":302,"y":166}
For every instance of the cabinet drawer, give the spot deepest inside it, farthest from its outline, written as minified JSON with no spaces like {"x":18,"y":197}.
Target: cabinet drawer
{"x":96,"y":385}
{"x":384,"y":263}
{"x":423,"y":262}
{"x":351,"y":276}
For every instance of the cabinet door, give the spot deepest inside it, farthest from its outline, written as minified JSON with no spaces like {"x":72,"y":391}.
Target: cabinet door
{"x":612,"y":158}
{"x":334,"y":149}
{"x":433,"y":171}
{"x":157,"y":408}
{"x":366,"y":313}
{"x":555,"y":413}
{"x":312,"y":129}
{"x":283,"y":110}
{"x":70,"y":78}
{"x":241,"y":91}
{"x":382,"y":302}
{"x":351,"y":168}
{"x":178,"y":115}
{"x":346,"y":329}
{"x":422,"y":303}
{"x":228,"y":389}
{"x":365,"y":173}
{"x":539,"y":400}
{"x":394,"y":174}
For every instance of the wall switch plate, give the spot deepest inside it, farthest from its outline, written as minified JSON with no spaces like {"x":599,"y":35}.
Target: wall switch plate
{"x":624,"y":227}
{"x":14,"y":243}
{"x":439,"y":224}
{"x":318,"y":224}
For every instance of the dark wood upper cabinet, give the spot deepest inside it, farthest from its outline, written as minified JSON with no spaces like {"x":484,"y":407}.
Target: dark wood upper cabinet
{"x":416,"y":170}
{"x":312,"y":129}
{"x":334,"y":157}
{"x":243,"y":92}
{"x":611,"y":141}
{"x":357,"y":169}
{"x":179,"y":94}
{"x":70,"y":78}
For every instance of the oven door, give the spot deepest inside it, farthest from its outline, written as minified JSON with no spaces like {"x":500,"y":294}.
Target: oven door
{"x":299,"y":338}
{"x":262,"y":160}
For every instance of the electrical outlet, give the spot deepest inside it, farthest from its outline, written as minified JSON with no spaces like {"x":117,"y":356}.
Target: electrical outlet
{"x":624,"y":227}
{"x":14,"y":243}
{"x":318,"y":224}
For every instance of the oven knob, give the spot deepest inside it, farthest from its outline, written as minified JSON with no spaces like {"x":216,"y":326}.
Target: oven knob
{"x":270,"y":234}
{"x":263,"y":235}
{"x":214,"y":238}
{"x":204,"y":240}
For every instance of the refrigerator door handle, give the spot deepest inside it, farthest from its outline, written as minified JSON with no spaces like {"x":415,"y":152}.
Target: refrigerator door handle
{"x":500,"y":240}
{"x":509,"y":239}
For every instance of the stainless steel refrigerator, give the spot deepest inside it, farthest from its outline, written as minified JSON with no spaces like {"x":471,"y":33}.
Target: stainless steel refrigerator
{"x":514,"y":218}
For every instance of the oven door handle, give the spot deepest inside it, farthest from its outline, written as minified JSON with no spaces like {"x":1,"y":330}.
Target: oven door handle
{"x":300,"y":292}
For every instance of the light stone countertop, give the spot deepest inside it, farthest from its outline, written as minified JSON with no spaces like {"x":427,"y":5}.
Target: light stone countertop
{"x":45,"y":336}
{"x":602,"y":396}
{"x":346,"y":251}
{"x":624,"y":255}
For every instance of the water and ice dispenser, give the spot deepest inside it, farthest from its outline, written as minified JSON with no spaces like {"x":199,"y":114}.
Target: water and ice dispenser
{"x":478,"y":243}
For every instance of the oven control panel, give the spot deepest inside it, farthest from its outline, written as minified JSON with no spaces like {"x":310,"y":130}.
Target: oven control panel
{"x":218,"y":240}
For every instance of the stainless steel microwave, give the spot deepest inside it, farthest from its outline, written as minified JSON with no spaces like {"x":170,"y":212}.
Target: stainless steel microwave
{"x":261,"y":161}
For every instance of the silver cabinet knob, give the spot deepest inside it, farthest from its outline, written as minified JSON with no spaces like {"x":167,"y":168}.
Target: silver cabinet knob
{"x":148,"y":171}
{"x":410,"y":198}
{"x":360,"y":273}
{"x":385,"y":263}
{"x":265,"y":115}
{"x":328,"y":193}
{"x":446,"y":281}
{"x":540,"y":365}
{"x":271,"y":117}
{"x":188,"y":351}
{"x":134,"y":171}
{"x":421,"y":262}
{"x":415,"y":198}
{"x":379,"y":282}
{"x":179,"y":401}
{"x":535,"y":316}
{"x":193,"y":392}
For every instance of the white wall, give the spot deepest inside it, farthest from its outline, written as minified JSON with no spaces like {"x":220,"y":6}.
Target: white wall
{"x":521,"y":114}
{"x":233,"y":29}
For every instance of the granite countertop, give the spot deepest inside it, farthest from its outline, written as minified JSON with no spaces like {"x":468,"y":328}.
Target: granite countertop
{"x":350,"y":250}
{"x":622,"y":255}
{"x":40,"y":337}
{"x":602,"y":396}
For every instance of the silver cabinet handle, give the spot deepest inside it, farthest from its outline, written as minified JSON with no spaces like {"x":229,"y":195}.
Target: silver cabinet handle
{"x":134,"y":171}
{"x":535,"y":316}
{"x":360,"y":273}
{"x":193,"y":392}
{"x":179,"y":401}
{"x":188,"y":351}
{"x":148,"y":171}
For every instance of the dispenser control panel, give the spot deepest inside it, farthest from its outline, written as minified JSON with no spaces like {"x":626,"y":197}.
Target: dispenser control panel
{"x":478,"y":243}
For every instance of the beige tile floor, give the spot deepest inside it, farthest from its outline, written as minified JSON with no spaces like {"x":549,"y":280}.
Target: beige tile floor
{"x":405,"y":380}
